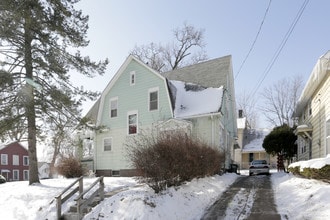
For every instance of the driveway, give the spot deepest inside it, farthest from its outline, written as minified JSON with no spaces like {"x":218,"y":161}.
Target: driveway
{"x":249,"y":197}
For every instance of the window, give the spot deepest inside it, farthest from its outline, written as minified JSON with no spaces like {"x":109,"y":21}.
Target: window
{"x":25,"y":175}
{"x":15,"y":160}
{"x":25,"y":160}
{"x":107,"y":144}
{"x":132,"y":78}
{"x":153,"y":99}
{"x":132,"y":123}
{"x":15,"y":174}
{"x":4,"y":159}
{"x":113,"y":107}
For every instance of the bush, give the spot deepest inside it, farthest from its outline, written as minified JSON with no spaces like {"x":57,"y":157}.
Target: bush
{"x":322,"y":174}
{"x":70,"y":167}
{"x":166,"y":161}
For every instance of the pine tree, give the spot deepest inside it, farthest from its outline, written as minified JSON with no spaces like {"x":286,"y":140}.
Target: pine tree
{"x":39,"y":42}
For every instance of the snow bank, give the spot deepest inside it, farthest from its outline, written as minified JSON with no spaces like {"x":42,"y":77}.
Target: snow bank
{"x":299,"y":198}
{"x":317,"y":163}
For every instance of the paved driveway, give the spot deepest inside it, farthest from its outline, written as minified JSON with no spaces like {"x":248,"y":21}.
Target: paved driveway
{"x":247,"y":198}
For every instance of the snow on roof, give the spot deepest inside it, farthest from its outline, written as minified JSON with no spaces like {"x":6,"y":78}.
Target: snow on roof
{"x":317,"y":163}
{"x":241,"y":123}
{"x":191,"y":99}
{"x":256,"y":144}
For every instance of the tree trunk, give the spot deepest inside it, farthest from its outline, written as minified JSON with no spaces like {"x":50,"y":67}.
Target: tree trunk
{"x":29,"y":102}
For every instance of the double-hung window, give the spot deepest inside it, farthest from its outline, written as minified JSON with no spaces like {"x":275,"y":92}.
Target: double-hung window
{"x":132,"y":122}
{"x":113,"y":107}
{"x":25,"y":160}
{"x":4,"y":159}
{"x":153,"y":99}
{"x":15,"y":160}
{"x":107,"y":144}
{"x":15,"y":174}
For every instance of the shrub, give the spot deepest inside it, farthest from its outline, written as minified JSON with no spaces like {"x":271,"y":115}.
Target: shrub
{"x":322,"y":174}
{"x":70,"y":167}
{"x":166,"y":161}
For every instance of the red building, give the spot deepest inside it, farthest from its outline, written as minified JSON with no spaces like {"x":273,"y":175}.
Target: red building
{"x":14,"y":162}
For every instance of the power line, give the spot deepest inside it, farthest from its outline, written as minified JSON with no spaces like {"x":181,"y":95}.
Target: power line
{"x":280,"y":48}
{"x":255,"y":39}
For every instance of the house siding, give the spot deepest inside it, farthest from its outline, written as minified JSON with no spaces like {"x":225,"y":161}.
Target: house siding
{"x":130,"y":98}
{"x":10,"y":150}
{"x":315,"y":113}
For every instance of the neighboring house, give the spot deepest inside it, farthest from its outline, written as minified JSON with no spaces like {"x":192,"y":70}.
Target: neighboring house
{"x":44,"y":170}
{"x":198,"y":100}
{"x":14,"y":162}
{"x":313,"y":113}
{"x":250,"y":144}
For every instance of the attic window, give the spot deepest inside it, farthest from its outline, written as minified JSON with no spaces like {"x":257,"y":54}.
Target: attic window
{"x":153,"y":99}
{"x":132,"y":78}
{"x":113,"y":107}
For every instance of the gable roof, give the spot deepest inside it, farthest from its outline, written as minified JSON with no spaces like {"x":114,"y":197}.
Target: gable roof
{"x":216,"y":70}
{"x":14,"y":143}
{"x":194,"y":100}
{"x":129,"y":59}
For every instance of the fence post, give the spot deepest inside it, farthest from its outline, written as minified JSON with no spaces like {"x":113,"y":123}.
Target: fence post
{"x":58,"y":207}
{"x":101,"y":188}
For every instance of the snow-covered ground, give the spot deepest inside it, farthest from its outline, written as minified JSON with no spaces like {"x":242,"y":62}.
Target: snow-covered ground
{"x":296,"y":198}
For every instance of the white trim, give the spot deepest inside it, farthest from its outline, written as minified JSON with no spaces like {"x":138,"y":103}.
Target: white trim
{"x":151,"y":90}
{"x":134,"y":112}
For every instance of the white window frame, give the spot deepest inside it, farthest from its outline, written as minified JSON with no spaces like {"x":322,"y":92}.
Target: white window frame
{"x":104,"y":139}
{"x":152,"y":90}
{"x":4,"y":159}
{"x":114,"y":99}
{"x":136,"y":123}
{"x":25,"y":174}
{"x":14,"y":175}
{"x":132,"y":78}
{"x":26,"y":161}
{"x":15,"y":160}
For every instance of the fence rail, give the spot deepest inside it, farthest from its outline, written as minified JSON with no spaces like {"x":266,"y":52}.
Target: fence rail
{"x":82,"y":202}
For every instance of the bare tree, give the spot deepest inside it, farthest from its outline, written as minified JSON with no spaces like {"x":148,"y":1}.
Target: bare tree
{"x":180,"y":52}
{"x":280,"y":100}
{"x":248,"y":105}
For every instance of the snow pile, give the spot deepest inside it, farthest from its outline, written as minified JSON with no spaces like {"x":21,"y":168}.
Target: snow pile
{"x":317,"y":163}
{"x":192,"y":99}
{"x":299,"y":198}
{"x":20,"y":201}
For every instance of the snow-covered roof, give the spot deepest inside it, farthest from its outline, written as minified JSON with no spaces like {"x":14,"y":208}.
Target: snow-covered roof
{"x":241,"y":123}
{"x":256,"y":144}
{"x":192,"y":100}
{"x":317,"y":76}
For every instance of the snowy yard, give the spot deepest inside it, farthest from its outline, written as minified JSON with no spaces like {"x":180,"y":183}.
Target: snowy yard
{"x":295,"y":197}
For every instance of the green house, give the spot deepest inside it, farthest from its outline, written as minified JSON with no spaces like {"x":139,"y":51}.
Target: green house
{"x":198,"y":100}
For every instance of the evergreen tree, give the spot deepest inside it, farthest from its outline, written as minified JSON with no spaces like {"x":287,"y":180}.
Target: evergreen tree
{"x":39,"y":42}
{"x":281,"y":141}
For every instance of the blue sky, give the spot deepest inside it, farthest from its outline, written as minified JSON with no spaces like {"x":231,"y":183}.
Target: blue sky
{"x":230,"y":29}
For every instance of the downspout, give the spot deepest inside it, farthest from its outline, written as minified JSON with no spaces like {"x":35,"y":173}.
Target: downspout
{"x":212,"y":131}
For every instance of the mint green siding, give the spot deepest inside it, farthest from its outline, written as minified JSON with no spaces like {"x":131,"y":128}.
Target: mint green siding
{"x":130,"y":98}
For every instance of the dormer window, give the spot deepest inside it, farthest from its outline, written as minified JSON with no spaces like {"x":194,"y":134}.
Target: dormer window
{"x":132,"y":78}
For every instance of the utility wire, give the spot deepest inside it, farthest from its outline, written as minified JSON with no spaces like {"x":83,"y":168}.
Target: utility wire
{"x":280,"y":48}
{"x":255,"y":39}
